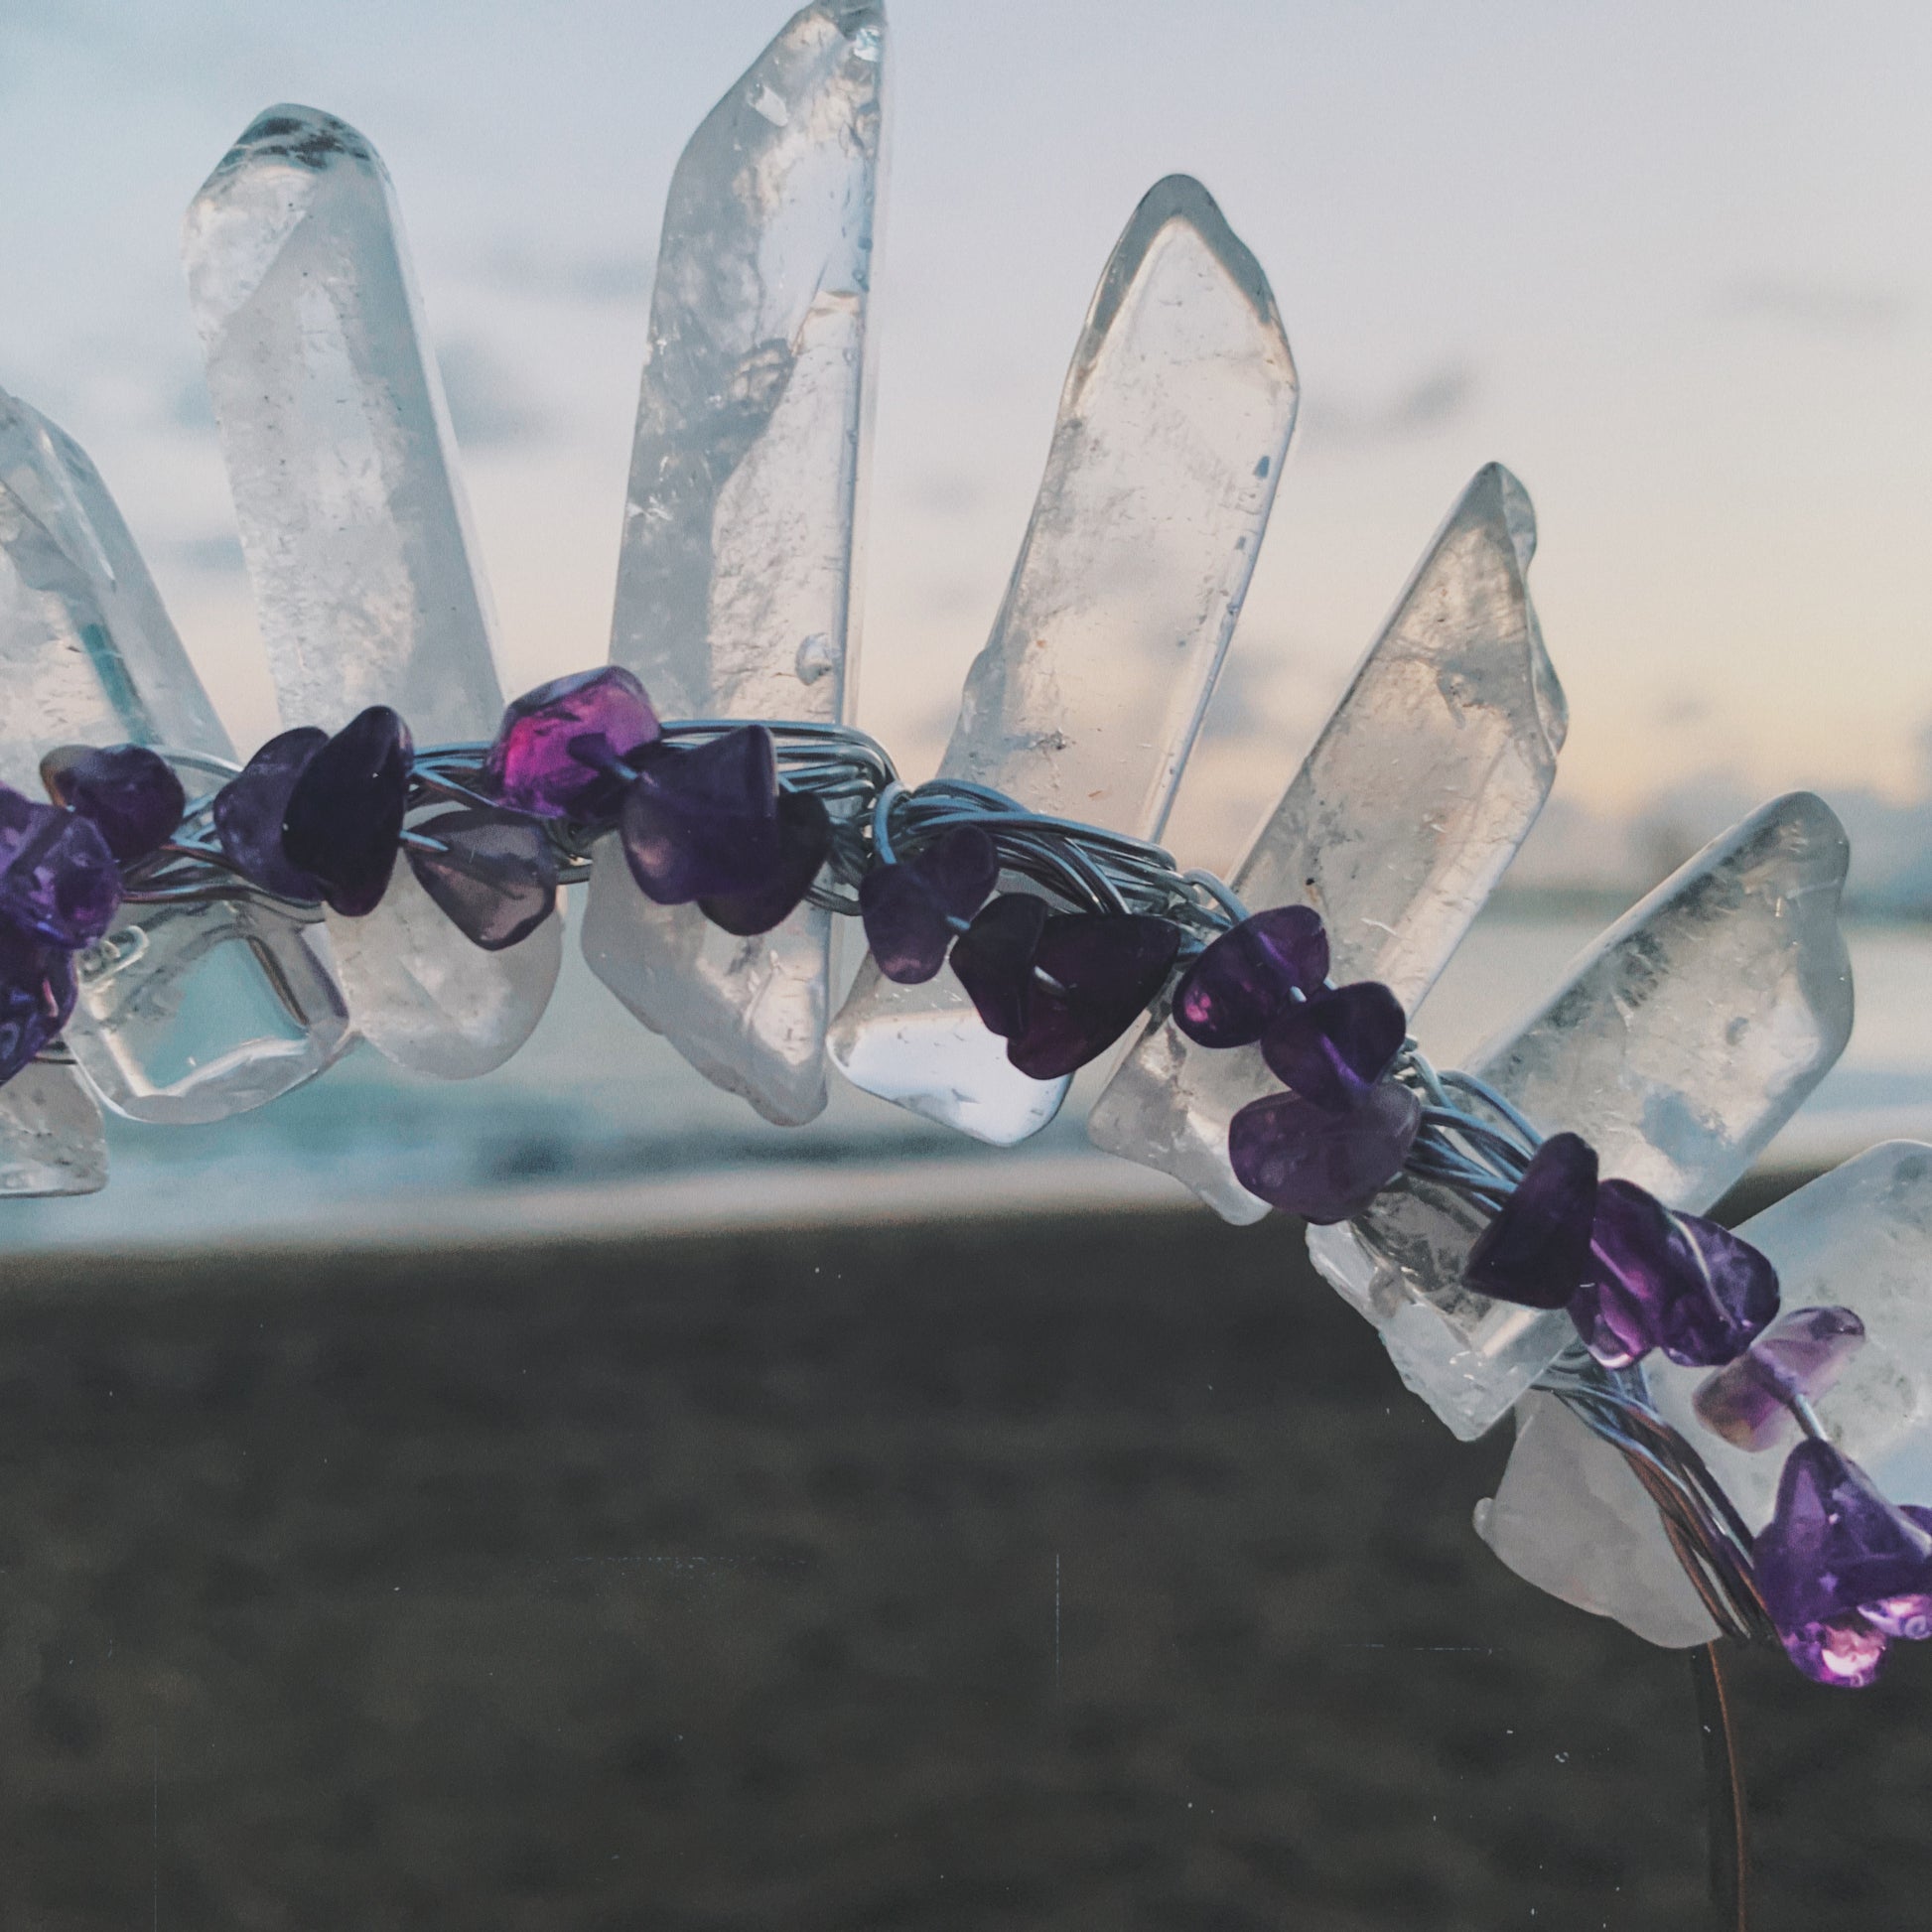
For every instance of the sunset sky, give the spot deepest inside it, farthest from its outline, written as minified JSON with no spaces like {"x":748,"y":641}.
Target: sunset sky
{"x":1673,"y":266}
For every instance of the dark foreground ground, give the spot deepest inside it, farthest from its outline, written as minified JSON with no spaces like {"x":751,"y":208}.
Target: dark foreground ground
{"x":1072,"y":1574}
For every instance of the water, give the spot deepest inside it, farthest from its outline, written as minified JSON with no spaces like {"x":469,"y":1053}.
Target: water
{"x":596,"y":1123}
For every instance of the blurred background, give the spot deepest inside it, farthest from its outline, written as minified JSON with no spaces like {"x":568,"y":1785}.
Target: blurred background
{"x":575,"y":1503}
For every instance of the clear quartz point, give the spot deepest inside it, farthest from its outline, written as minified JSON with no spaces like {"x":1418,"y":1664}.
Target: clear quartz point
{"x":51,"y":1141}
{"x":1677,"y":1045}
{"x":356,"y":530}
{"x":1085,"y":703}
{"x":186,"y":1014}
{"x":1399,"y":823}
{"x":733,"y":583}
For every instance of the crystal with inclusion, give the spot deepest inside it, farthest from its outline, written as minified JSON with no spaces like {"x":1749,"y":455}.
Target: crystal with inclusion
{"x":1400,"y":821}
{"x":1677,"y":1045}
{"x":355,"y":527}
{"x":186,"y":1013}
{"x":1087,"y":698}
{"x":734,"y":582}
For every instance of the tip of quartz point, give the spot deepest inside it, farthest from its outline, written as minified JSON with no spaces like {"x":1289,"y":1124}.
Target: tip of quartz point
{"x":291,"y":135}
{"x":1182,"y":198}
{"x":1518,"y":512}
{"x":853,"y":17}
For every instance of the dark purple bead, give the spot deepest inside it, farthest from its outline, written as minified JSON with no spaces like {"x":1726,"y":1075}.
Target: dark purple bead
{"x":36,"y":997}
{"x":1835,"y":1542}
{"x":495,"y":878}
{"x":1229,"y":995}
{"x":908,"y":908}
{"x":250,"y":807}
{"x":1103,"y":968}
{"x":57,"y":877}
{"x":1536,"y":1252}
{"x":130,"y":792}
{"x":1802,"y":1354}
{"x":1675,"y":1282}
{"x":1846,"y":1652}
{"x":560,"y":749}
{"x":344,"y":815}
{"x":1318,"y":1164}
{"x":703,"y":822}
{"x":993,"y":960}
{"x":1333,"y":1046}
{"x":804,"y":844}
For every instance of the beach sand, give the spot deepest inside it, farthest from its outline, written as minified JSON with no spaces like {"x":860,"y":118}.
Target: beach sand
{"x":1071,"y":1572}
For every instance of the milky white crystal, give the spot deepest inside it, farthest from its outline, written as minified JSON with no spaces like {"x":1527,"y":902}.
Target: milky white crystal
{"x":733,"y":586}
{"x":1400,"y":821}
{"x":51,"y":1141}
{"x":356,"y":530}
{"x":186,"y":1013}
{"x":1172,"y":425}
{"x":1677,"y":1045}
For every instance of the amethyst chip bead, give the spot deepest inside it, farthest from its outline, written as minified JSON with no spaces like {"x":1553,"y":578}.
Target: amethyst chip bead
{"x":1335,"y":1045}
{"x":804,"y":844}
{"x":563,"y":750}
{"x":1241,"y":981}
{"x":1094,"y":974}
{"x":1536,"y":1251}
{"x":703,"y":822}
{"x":993,"y":960}
{"x":912,"y":910}
{"x":250,"y":807}
{"x":1748,"y":1401}
{"x":57,"y":877}
{"x":495,"y":878}
{"x":130,"y":791}
{"x":344,"y":823}
{"x":37,"y":990}
{"x":1323,"y":1164}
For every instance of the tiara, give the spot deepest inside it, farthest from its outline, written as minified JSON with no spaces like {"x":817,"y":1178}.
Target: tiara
{"x":1706,"y":1419}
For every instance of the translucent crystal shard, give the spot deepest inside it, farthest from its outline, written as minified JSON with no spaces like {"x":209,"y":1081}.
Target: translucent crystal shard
{"x":1400,"y":821}
{"x":734,"y":588}
{"x":186,"y":1013}
{"x":1086,"y":700}
{"x":1677,"y":1045}
{"x":51,"y":1141}
{"x":353,"y":523}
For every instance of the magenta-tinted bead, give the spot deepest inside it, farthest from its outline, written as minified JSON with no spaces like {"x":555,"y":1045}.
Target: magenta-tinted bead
{"x":703,"y":822}
{"x":1333,"y":1046}
{"x":561,"y":748}
{"x":908,"y":908}
{"x":1845,"y":1653}
{"x":1834,"y":1543}
{"x":804,"y":844}
{"x":495,"y":878}
{"x":993,"y":960}
{"x":344,"y":823}
{"x":1536,"y":1252}
{"x":1909,"y":1617}
{"x":250,"y":807}
{"x":1802,"y":1354}
{"x":130,"y":791}
{"x":1321,"y":1165}
{"x":1241,"y":981}
{"x":1675,"y":1282}
{"x":58,"y":878}
{"x":37,"y":991}
{"x":1093,"y":976}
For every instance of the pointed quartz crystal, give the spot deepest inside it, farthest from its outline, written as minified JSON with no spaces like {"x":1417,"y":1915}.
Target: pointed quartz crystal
{"x":733,"y":584}
{"x":186,"y":1013}
{"x":1086,"y":700}
{"x":1677,"y":1045}
{"x":1400,"y":821}
{"x":355,"y":527}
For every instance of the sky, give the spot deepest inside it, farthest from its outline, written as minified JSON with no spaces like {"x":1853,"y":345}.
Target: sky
{"x":1673,"y":266}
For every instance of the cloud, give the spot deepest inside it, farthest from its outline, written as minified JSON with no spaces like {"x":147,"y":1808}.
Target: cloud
{"x":489,"y":406}
{"x":1432,"y":401}
{"x":1837,"y":308}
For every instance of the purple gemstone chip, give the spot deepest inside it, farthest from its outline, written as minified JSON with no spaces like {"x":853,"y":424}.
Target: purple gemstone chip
{"x":1536,"y":1252}
{"x":1333,"y":1046}
{"x":344,"y":823}
{"x":561,"y":750}
{"x":804,"y":844}
{"x":1845,"y":1652}
{"x":495,"y":878}
{"x":1323,"y":1164}
{"x":36,"y":997}
{"x":910,"y":908}
{"x":703,"y":822}
{"x":58,"y":878}
{"x":250,"y":807}
{"x":993,"y":960}
{"x":1802,"y":1354}
{"x":1231,"y":993}
{"x":1094,"y":974}
{"x":130,"y":791}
